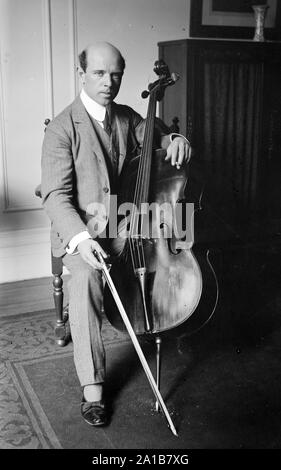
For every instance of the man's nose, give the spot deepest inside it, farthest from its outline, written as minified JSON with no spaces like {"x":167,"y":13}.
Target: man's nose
{"x":107,"y":79}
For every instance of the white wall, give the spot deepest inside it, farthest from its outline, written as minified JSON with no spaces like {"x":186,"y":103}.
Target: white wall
{"x":40,"y":40}
{"x":135,"y":27}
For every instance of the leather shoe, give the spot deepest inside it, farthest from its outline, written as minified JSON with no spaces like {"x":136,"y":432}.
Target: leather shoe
{"x":94,"y":412}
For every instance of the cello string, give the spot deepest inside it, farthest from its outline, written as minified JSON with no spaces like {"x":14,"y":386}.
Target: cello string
{"x":147,"y":172}
{"x":142,"y":173}
{"x":145,"y":195}
{"x":132,"y":230}
{"x":148,"y":150}
{"x":141,"y":180}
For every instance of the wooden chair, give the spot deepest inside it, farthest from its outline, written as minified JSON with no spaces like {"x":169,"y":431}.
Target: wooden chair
{"x":61,"y":333}
{"x":61,"y":312}
{"x":57,"y":271}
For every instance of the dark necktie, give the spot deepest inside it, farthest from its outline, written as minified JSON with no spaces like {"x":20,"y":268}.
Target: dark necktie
{"x":106,"y":123}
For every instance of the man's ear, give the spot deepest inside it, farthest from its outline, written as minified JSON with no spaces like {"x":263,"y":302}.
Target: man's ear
{"x":81,"y":74}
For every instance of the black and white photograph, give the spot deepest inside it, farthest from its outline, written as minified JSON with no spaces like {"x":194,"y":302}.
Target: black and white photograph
{"x":140,"y":229}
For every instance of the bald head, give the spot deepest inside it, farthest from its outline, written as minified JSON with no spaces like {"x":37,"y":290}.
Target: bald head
{"x":99,"y":48}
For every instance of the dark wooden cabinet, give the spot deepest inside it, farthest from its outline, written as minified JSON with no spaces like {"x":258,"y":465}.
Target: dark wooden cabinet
{"x":228,"y":102}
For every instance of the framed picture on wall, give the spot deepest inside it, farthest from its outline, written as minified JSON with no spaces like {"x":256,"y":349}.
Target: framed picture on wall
{"x":233,"y":19}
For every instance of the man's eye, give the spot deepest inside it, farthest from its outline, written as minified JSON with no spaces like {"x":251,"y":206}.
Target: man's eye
{"x":98,"y":73}
{"x":116,"y":76}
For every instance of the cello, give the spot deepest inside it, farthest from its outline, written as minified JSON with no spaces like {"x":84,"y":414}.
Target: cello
{"x":154,"y":271}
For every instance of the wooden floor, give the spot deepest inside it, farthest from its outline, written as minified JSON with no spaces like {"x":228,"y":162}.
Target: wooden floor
{"x":28,"y":296}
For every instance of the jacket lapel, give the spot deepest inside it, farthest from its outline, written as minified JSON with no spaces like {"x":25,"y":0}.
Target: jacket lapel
{"x":83,"y":121}
{"x":122,"y":125}
{"x":85,"y":126}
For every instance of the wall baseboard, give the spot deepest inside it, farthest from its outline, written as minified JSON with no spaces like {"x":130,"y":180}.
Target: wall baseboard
{"x":25,"y":254}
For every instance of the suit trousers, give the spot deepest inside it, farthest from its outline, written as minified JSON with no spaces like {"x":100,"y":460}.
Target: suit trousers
{"x":85,"y":305}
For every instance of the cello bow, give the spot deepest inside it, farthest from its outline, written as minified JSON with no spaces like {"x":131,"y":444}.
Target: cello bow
{"x":135,"y":342}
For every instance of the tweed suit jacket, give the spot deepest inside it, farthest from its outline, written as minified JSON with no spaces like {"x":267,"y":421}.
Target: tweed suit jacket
{"x":74,"y":171}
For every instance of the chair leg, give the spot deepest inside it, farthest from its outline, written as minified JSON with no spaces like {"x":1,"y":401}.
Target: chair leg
{"x":60,"y":329}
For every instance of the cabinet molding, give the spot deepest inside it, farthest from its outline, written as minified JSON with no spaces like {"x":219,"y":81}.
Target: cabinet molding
{"x":231,"y":114}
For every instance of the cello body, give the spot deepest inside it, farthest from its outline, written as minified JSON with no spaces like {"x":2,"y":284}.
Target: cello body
{"x":176,"y":283}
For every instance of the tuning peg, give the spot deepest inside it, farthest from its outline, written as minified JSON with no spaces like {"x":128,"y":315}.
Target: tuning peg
{"x":145,"y":94}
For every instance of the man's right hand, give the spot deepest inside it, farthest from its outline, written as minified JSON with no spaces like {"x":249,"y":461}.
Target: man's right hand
{"x":86,"y":249}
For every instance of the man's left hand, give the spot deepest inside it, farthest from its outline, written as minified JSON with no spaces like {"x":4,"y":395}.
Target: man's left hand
{"x":178,"y":152}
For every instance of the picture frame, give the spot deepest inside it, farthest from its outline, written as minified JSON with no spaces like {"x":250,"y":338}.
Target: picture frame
{"x":236,"y":21}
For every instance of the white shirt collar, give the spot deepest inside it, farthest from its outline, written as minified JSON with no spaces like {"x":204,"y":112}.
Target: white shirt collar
{"x":96,"y":110}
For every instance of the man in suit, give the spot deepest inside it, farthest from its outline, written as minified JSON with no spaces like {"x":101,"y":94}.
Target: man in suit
{"x":81,"y":160}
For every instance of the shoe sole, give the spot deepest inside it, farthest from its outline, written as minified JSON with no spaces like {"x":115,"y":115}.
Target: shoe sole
{"x":95,"y":425}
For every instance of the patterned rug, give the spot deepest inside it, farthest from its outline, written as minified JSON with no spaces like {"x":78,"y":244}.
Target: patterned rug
{"x":40,"y":394}
{"x":219,"y":397}
{"x":27,"y":341}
